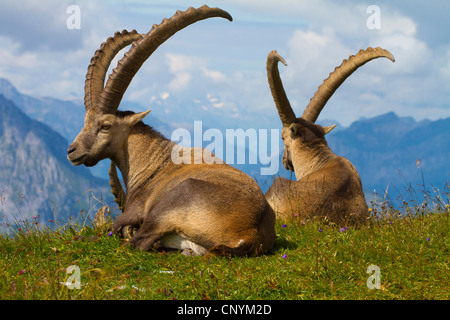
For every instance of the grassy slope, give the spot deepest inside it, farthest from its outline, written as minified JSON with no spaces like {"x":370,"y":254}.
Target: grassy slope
{"x":309,"y":261}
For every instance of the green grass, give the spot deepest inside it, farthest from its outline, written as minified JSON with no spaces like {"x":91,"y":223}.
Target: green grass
{"x":309,"y":261}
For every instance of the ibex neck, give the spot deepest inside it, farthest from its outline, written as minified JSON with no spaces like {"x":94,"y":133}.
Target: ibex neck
{"x":144,"y":154}
{"x":309,"y":160}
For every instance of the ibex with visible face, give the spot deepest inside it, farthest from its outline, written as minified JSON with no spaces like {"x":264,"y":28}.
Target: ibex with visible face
{"x":195,"y":207}
{"x":327,"y":185}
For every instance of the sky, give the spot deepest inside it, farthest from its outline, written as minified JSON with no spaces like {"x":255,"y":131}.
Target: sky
{"x":42,"y":56}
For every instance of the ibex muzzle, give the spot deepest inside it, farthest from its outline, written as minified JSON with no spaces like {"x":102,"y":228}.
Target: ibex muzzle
{"x":327,"y":186}
{"x":198,"y":207}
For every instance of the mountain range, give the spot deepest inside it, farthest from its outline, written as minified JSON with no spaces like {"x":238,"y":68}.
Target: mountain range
{"x":387,"y":146}
{"x":389,"y":152}
{"x":36,"y":180}
{"x":397,"y":153}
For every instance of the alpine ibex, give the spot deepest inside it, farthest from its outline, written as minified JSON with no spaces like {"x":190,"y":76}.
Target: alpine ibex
{"x":327,"y":185}
{"x":197,"y":207}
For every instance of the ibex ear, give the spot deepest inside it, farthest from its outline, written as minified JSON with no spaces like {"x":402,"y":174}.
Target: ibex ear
{"x":293,"y":129}
{"x":328,"y":129}
{"x":136,"y":117}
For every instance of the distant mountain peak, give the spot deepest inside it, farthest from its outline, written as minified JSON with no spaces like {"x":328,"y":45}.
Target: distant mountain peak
{"x":8,"y":89}
{"x":5,"y":83}
{"x":391,"y":115}
{"x":388,"y":117}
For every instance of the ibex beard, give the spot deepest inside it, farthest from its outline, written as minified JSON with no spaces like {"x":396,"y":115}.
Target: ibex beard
{"x":194,"y":207}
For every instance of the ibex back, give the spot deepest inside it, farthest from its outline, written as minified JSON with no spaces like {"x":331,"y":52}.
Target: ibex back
{"x":197,"y":207}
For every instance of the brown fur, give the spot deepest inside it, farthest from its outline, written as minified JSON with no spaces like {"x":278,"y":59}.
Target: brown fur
{"x":199,"y":207}
{"x":327,"y":186}
{"x":212,"y":205}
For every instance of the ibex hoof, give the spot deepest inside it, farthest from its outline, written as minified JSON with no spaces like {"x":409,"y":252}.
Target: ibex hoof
{"x":128,"y":232}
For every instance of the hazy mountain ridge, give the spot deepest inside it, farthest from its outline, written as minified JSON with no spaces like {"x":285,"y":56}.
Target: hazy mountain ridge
{"x":385,"y":150}
{"x":35,"y":175}
{"x":53,"y":112}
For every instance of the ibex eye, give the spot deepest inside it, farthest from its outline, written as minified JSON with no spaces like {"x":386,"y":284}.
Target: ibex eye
{"x":106,"y":126}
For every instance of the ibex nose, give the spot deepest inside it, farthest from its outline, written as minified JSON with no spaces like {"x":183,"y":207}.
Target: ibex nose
{"x":71,"y":149}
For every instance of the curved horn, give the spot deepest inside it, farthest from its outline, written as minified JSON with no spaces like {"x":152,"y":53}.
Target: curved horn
{"x":338,"y":76}
{"x":95,"y":77}
{"x":141,"y":50}
{"x":284,"y":108}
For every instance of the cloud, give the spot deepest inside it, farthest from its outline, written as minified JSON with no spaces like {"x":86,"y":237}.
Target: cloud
{"x":395,"y":22}
{"x":38,"y":73}
{"x":42,"y":57}
{"x":310,"y":59}
{"x":185,"y":68}
{"x":406,"y":86}
{"x":182,"y":67}
{"x":444,"y":69}
{"x":16,"y":60}
{"x":180,"y":81}
{"x":37,"y":25}
{"x":412,"y":55}
{"x":216,"y":76}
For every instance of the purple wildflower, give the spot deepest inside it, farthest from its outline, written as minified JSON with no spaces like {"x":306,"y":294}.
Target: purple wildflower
{"x":428,"y":239}
{"x":110,"y":233}
{"x":284,"y":256}
{"x":284,"y":226}
{"x":320,"y":230}
{"x":341,"y":229}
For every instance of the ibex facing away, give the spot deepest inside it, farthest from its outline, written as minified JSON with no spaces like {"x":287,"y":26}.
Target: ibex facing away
{"x":327,"y":185}
{"x":198,"y":207}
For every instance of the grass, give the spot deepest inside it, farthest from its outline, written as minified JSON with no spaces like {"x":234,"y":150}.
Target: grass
{"x":310,"y":260}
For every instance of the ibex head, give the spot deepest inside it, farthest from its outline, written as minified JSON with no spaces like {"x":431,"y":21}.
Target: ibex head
{"x":105,"y":128}
{"x":300,"y":134}
{"x":303,"y":133}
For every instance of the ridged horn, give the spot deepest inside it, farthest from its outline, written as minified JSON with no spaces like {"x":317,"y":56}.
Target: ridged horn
{"x":141,"y":50}
{"x":96,"y":73}
{"x":338,"y":76}
{"x":287,"y":115}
